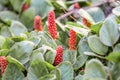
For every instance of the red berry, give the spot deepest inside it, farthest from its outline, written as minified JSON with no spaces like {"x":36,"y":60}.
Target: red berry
{"x":76,"y":6}
{"x":85,"y":22}
{"x":25,"y":6}
{"x":52,"y":25}
{"x":3,"y":64}
{"x":72,"y":40}
{"x":38,"y":23}
{"x":59,"y":55}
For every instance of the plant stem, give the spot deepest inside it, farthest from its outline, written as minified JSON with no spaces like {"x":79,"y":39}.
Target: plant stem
{"x":65,"y":15}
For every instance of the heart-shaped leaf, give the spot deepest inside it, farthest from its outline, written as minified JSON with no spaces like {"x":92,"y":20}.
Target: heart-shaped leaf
{"x":66,"y":71}
{"x":27,"y":18}
{"x":17,"y":28}
{"x":48,"y":77}
{"x":41,"y":7}
{"x":96,"y":13}
{"x":109,"y":33}
{"x":5,"y":31}
{"x":36,"y":70}
{"x":21,"y":51}
{"x":96,"y":45}
{"x":94,"y":69}
{"x":17,"y":4}
{"x":70,"y":55}
{"x":15,"y":71}
{"x":7,"y":16}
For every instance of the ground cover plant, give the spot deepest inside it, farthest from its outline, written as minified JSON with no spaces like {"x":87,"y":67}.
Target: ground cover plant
{"x":59,"y":40}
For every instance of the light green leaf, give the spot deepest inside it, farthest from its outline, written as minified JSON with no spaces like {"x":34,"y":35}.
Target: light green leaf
{"x":70,"y":55}
{"x":4,"y":52}
{"x":17,"y":4}
{"x":96,"y":13}
{"x":48,"y":77}
{"x":41,"y":7}
{"x":94,"y":69}
{"x":96,"y":45}
{"x":16,"y":62}
{"x":7,"y":16}
{"x":79,"y":77}
{"x":26,"y":19}
{"x":36,"y":70}
{"x":57,"y":73}
{"x":17,"y":28}
{"x":116,"y":48}
{"x":109,"y":33}
{"x":5,"y":31}
{"x":21,"y":51}
{"x":2,"y":40}
{"x":15,"y":71}
{"x":114,"y":56}
{"x":50,"y":56}
{"x":66,"y":71}
{"x":116,"y":11}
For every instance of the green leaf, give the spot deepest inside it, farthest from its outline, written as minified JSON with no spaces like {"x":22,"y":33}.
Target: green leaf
{"x":2,"y":40}
{"x":82,"y":58}
{"x":16,"y":62}
{"x":50,"y":56}
{"x":26,"y":19}
{"x":7,"y":16}
{"x":15,"y":71}
{"x":96,"y":27}
{"x":70,"y":55}
{"x":5,"y":31}
{"x":96,"y":45}
{"x":116,"y":48}
{"x":49,"y":66}
{"x":114,"y":56}
{"x":115,"y":71}
{"x":36,"y":70}
{"x":17,"y":4}
{"x":66,"y":71}
{"x":8,"y":43}
{"x":17,"y":28}
{"x":116,"y":11}
{"x":96,"y":13}
{"x":35,"y":39}
{"x":41,"y":7}
{"x":57,"y":73}
{"x":79,"y":77}
{"x":94,"y":69}
{"x":80,"y":61}
{"x":21,"y":51}
{"x":109,"y":33}
{"x":86,"y":15}
{"x":48,"y":77}
{"x":4,"y":52}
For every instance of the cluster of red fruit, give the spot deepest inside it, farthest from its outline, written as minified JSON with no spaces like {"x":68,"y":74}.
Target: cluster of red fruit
{"x":53,"y":32}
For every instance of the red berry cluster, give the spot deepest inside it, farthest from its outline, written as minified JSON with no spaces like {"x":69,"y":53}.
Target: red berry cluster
{"x":25,"y":6}
{"x":76,"y":6}
{"x":3,"y":64}
{"x":38,"y":23}
{"x":59,"y":54}
{"x":72,"y":40}
{"x":85,"y":22}
{"x":52,"y":25}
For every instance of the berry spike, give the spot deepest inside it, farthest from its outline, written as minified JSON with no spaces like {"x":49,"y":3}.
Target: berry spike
{"x":52,"y":25}
{"x":72,"y":40}
{"x":38,"y":23}
{"x":85,"y":22}
{"x":76,"y":6}
{"x":3,"y":64}
{"x":59,"y":55}
{"x":25,"y":6}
